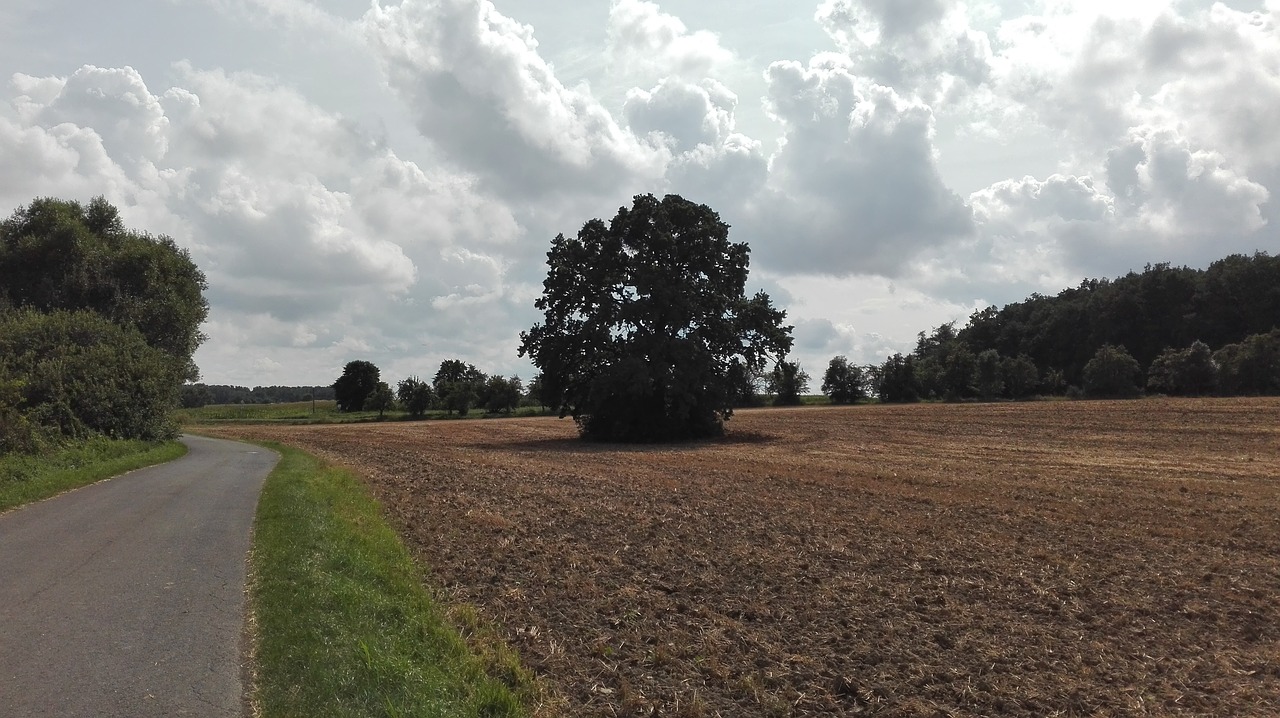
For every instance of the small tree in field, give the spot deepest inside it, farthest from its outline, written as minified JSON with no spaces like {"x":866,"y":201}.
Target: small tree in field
{"x":1112,"y":372}
{"x":643,"y":320}
{"x":381,"y":399}
{"x":415,"y":396}
{"x":788,"y":383}
{"x":844,"y":383}
{"x":502,"y":395}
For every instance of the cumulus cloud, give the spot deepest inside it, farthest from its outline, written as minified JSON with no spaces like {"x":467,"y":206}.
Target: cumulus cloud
{"x":299,"y":218}
{"x":648,"y":44}
{"x":481,"y":92}
{"x":854,"y":186}
{"x":923,"y":48}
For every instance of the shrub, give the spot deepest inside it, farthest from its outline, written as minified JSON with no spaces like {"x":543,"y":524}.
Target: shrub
{"x":1112,"y":372}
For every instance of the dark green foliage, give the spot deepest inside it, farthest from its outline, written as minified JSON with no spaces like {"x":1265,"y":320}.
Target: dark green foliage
{"x":416,"y":396}
{"x":1252,"y":366}
{"x":458,"y":397}
{"x":226,"y":394}
{"x":76,"y":374}
{"x":381,"y":399}
{"x":98,"y":325}
{"x":1112,"y":372}
{"x":502,"y":395}
{"x":17,"y":433}
{"x":788,"y":382}
{"x":643,"y":319}
{"x":194,"y":396}
{"x":844,"y":383}
{"x":358,"y":382}
{"x":533,"y":392}
{"x":1184,"y":372}
{"x":56,"y":255}
{"x":989,"y":380}
{"x":458,"y":385}
{"x":898,"y":382}
{"x":1021,"y":378}
{"x":959,"y":371}
{"x":1147,"y":312}
{"x":744,"y":385}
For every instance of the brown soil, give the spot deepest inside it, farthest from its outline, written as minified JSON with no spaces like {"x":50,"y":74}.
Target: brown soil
{"x":1064,"y":558}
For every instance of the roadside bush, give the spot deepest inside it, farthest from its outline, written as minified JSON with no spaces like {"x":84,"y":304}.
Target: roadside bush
{"x":77,"y":374}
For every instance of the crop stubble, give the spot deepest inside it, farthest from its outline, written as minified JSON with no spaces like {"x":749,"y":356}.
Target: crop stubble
{"x":1030,"y":559}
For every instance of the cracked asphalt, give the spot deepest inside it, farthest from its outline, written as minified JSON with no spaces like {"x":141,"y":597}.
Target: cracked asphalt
{"x":126,"y":598}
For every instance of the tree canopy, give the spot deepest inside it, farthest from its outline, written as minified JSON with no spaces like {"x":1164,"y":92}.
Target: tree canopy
{"x":644,"y":318}
{"x":359,"y":380}
{"x":98,"y":325}
{"x":57,"y":254}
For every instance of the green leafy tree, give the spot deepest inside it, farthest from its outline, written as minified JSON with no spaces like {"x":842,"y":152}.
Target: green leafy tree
{"x":1112,"y":372}
{"x":533,"y":392}
{"x":1021,"y":377}
{"x":415,"y":395}
{"x":358,"y":382}
{"x":459,"y":385}
{"x":844,"y":383}
{"x":898,"y":382}
{"x":60,"y":255}
{"x":502,"y":395}
{"x":194,"y":396}
{"x":1184,"y":372}
{"x":643,"y":318}
{"x":744,"y":384}
{"x":990,"y":376}
{"x":381,"y":399}
{"x":1250,"y":367}
{"x":458,"y":397}
{"x":788,"y":383}
{"x":80,"y":374}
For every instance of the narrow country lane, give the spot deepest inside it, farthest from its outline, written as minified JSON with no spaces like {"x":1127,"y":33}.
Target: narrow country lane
{"x":126,"y":598}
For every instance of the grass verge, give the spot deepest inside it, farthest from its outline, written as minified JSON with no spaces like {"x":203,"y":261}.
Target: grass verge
{"x":343,"y":624}
{"x":27,"y":478}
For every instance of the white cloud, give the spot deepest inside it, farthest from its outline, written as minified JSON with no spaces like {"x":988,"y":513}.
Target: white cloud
{"x":393,"y":195}
{"x":923,"y":48}
{"x":648,"y":45}
{"x":481,"y":93}
{"x":854,"y":187}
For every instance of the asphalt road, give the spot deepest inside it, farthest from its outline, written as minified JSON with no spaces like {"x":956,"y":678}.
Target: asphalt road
{"x":126,"y":598}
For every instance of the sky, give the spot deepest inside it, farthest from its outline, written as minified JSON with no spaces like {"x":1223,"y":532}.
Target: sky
{"x":382,"y":180}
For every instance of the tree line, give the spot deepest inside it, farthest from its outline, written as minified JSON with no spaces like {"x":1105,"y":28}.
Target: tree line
{"x":1166,"y":330}
{"x":457,"y":387}
{"x":198,"y":395}
{"x":98,"y":326}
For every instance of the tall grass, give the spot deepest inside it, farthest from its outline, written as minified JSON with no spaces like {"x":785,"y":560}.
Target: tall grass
{"x":343,"y":623}
{"x":26,"y":478}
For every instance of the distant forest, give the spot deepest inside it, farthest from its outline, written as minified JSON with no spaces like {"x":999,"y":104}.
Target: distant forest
{"x":197,"y":395}
{"x":1171,"y":330}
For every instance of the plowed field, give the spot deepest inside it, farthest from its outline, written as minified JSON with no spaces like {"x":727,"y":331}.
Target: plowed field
{"x":1055,"y":558}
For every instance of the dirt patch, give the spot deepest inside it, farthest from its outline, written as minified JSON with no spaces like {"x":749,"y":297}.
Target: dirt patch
{"x":1068,"y":558}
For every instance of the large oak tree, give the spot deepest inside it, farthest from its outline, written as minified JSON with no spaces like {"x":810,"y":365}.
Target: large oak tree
{"x":646,"y":319}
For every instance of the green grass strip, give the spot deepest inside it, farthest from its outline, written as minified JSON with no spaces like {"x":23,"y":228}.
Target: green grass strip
{"x":26,"y":478}
{"x":344,"y":625}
